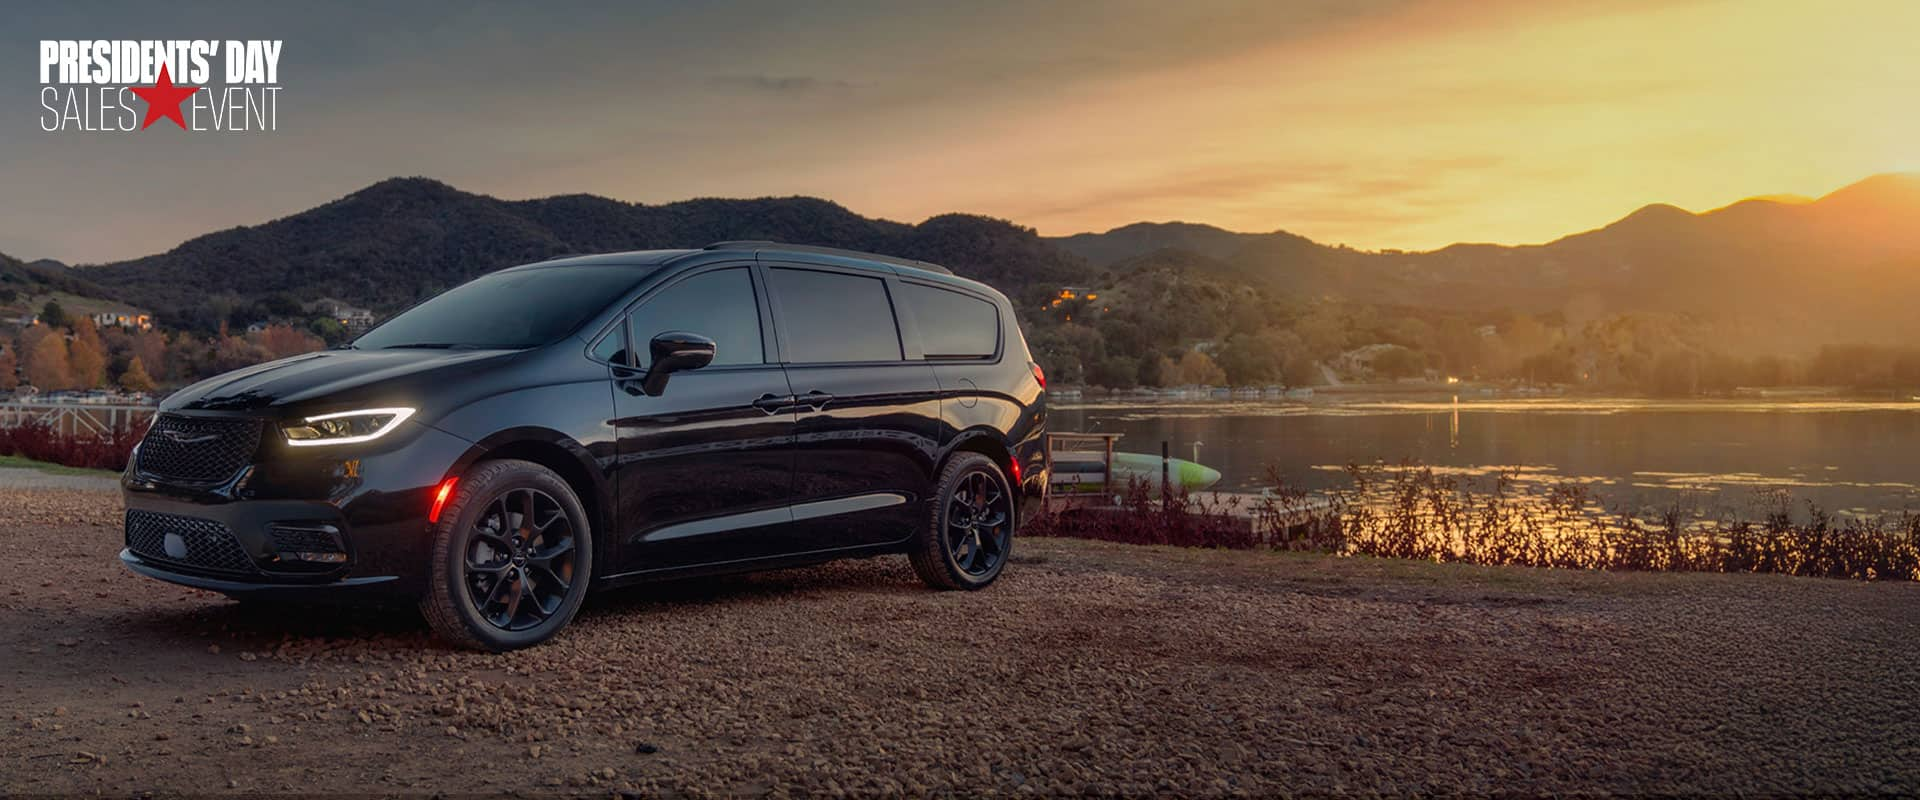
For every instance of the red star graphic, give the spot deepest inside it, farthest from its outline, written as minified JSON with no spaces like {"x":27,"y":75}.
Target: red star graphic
{"x":163,"y":100}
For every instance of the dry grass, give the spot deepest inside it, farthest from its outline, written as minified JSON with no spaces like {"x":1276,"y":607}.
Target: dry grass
{"x":1411,"y":511}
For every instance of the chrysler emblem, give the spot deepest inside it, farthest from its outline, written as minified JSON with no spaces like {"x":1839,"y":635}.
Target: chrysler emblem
{"x":184,"y":437}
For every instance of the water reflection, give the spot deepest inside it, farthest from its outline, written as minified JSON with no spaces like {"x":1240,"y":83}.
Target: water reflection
{"x":1850,"y":456}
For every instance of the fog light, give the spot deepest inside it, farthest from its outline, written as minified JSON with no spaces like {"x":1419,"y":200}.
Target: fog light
{"x":311,"y":544}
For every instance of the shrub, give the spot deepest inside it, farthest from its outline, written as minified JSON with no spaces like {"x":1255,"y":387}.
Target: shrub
{"x":43,"y":442}
{"x":1411,"y":511}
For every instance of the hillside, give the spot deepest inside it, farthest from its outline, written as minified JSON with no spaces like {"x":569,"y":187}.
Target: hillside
{"x":1838,"y":267}
{"x":44,"y":277}
{"x":396,"y":241}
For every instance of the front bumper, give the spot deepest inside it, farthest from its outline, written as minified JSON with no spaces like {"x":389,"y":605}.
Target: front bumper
{"x":326,"y":523}
{"x":382,"y":583}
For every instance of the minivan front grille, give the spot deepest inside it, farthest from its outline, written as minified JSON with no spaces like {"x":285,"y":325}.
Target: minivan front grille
{"x":186,"y":541}
{"x":198,"y":450}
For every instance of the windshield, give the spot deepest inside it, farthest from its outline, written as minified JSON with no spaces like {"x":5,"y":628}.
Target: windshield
{"x":507,"y":310}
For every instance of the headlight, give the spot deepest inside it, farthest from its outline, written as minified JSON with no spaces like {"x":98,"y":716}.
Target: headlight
{"x":345,"y":427}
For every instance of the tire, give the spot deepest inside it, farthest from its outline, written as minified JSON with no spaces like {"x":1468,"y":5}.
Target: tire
{"x":528,"y":593}
{"x":969,"y":533}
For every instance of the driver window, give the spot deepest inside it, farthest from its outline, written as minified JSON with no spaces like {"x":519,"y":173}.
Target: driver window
{"x":718,"y":305}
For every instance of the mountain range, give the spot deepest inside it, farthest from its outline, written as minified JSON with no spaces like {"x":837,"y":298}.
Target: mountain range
{"x":1840,"y":267}
{"x":1844,"y":266}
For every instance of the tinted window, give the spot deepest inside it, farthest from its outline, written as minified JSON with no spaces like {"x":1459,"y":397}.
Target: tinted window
{"x":718,"y":305}
{"x":513,"y":309}
{"x":830,"y":316}
{"x":952,"y":324}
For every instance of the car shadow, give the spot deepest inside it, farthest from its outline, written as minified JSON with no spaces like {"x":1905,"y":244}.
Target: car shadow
{"x":268,"y":626}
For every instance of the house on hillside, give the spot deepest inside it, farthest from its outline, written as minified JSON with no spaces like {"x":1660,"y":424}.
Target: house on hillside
{"x":355,"y":319}
{"x":123,"y":318}
{"x":1361,"y":361}
{"x":1074,"y":299}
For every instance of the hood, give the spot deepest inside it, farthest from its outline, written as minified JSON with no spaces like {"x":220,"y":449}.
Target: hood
{"x":370,"y":377}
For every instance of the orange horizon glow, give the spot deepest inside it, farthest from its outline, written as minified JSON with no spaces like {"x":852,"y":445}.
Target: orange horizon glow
{"x":1450,"y":122}
{"x":1379,"y":124}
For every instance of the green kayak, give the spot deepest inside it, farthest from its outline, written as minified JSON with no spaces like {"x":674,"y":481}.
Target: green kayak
{"x":1087,"y":472}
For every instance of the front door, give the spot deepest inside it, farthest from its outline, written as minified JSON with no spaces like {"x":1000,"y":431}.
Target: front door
{"x":706,"y":466}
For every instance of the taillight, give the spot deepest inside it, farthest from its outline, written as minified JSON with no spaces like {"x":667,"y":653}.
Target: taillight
{"x":440,"y":499}
{"x":1039,"y":374}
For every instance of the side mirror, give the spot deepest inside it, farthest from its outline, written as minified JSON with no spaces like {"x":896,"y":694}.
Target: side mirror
{"x":675,"y":351}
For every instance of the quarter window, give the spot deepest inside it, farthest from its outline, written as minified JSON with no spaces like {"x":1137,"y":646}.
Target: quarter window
{"x":718,"y":305}
{"x":613,"y":346}
{"x":828,"y":317}
{"x":952,"y":325}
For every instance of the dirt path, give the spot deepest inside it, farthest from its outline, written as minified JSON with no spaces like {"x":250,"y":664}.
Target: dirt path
{"x":1091,"y":667}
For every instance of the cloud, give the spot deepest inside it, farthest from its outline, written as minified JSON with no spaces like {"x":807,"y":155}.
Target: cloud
{"x":785,"y":84}
{"x":1293,"y":194}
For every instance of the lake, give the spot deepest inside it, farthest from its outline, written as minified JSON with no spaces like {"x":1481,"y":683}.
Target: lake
{"x":1853,"y":457}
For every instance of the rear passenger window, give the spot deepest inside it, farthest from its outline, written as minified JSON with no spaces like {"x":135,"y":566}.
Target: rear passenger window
{"x":718,"y":305}
{"x":953,"y":325}
{"x":828,"y":317}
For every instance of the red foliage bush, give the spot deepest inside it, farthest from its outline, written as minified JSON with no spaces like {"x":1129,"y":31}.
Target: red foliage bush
{"x":1181,"y":521}
{"x":42,"y":442}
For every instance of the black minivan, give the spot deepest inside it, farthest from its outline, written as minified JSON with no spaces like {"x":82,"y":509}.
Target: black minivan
{"x":502,"y":448}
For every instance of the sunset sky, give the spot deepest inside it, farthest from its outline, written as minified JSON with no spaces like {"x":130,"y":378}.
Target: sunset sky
{"x":1378,"y":124}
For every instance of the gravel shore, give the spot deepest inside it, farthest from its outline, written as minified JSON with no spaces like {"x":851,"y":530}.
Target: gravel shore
{"x":1090,"y":668}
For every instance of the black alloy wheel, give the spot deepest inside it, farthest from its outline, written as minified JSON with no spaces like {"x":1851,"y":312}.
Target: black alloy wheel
{"x":512,"y":558}
{"x":519,"y":565}
{"x":968,"y":537}
{"x":979,"y":523}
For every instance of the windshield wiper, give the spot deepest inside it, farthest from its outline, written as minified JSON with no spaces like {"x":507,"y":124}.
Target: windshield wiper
{"x":430,"y":346}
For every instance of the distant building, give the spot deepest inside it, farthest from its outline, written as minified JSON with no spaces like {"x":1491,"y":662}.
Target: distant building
{"x":353,"y":318}
{"x":1359,"y":361}
{"x":1082,"y":298}
{"x":139,"y":320}
{"x":1072,"y":293}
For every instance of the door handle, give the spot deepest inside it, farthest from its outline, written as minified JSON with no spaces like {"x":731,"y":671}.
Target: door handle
{"x":772,"y":403}
{"x":816,"y":398}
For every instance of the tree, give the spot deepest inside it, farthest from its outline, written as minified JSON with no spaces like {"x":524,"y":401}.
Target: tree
{"x":1157,"y":370}
{"x":150,"y":346}
{"x":1115,"y":372}
{"x":188,"y":358}
{"x":52,"y":315}
{"x":47,"y":366}
{"x":86,"y":355}
{"x":1398,"y":362}
{"x":1196,"y":369}
{"x":9,"y":370}
{"x":280,"y":341}
{"x":328,"y":329}
{"x":136,"y":379}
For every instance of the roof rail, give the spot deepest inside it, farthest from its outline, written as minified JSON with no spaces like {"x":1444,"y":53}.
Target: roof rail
{"x":761,"y":244}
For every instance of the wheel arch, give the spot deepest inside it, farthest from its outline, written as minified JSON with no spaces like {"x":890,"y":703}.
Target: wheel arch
{"x":989,"y":443}
{"x":567,"y":458}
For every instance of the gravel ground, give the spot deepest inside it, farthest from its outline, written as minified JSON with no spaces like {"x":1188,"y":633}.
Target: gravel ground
{"x":1089,"y":668}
